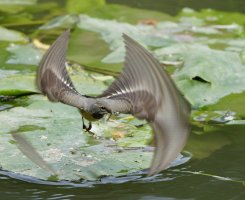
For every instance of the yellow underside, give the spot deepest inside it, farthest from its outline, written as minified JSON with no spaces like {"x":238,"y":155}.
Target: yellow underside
{"x":87,"y":116}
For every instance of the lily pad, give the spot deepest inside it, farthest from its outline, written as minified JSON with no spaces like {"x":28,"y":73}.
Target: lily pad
{"x":81,"y":50}
{"x":17,"y":67}
{"x":65,"y":21}
{"x":111,"y":31}
{"x":17,"y":85}
{"x":15,"y":6}
{"x":55,"y":130}
{"x":233,"y":102}
{"x":24,"y":54}
{"x":11,"y":35}
{"x":5,"y":73}
{"x":18,"y":2}
{"x":207,"y":75}
{"x":77,"y":6}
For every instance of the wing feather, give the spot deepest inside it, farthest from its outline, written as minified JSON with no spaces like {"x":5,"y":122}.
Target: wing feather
{"x":52,"y":77}
{"x":153,"y":96}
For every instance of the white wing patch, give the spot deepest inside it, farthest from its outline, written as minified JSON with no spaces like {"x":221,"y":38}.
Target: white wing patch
{"x":63,"y":80}
{"x":117,"y":93}
{"x":126,"y":91}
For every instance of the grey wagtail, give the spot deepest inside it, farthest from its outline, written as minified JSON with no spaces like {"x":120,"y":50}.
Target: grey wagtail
{"x":143,"y":89}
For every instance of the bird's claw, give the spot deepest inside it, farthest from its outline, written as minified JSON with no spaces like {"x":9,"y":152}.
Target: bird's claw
{"x":87,"y":129}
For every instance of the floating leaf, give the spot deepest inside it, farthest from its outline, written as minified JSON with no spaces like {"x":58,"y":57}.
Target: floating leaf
{"x":65,"y":21}
{"x":11,"y":35}
{"x":77,"y":6}
{"x":5,"y":73}
{"x":207,"y":75}
{"x":17,"y":85}
{"x":55,"y":130}
{"x":111,"y":31}
{"x":18,"y":2}
{"x":232,"y":102}
{"x":24,"y":54}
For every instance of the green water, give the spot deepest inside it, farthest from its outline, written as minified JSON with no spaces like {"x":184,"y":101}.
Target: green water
{"x":215,"y":171}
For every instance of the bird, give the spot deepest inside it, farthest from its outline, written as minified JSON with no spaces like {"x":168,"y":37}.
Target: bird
{"x":143,"y":89}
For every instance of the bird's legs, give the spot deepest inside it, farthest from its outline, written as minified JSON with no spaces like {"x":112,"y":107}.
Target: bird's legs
{"x":85,"y":127}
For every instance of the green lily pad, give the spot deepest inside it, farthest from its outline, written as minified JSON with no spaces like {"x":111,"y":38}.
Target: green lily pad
{"x":55,"y":130}
{"x":76,"y":6}
{"x":18,"y":2}
{"x":17,"y":85}
{"x":233,"y":102}
{"x":81,"y":50}
{"x":111,"y":31}
{"x":17,"y":67}
{"x":5,"y":73}
{"x":207,"y":75}
{"x":11,"y":35}
{"x":15,"y":6}
{"x":126,"y":14}
{"x":65,"y":21}
{"x":214,"y":16}
{"x":24,"y":54}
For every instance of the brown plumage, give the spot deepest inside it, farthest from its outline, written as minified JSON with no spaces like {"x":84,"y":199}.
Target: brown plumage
{"x":143,"y":89}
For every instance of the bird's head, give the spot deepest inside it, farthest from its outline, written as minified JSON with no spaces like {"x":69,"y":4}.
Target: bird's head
{"x":98,"y":110}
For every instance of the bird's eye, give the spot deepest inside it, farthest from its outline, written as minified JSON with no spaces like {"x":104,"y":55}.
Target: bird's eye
{"x":102,"y":108}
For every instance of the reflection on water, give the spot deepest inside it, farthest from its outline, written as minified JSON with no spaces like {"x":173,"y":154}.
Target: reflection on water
{"x":215,"y":169}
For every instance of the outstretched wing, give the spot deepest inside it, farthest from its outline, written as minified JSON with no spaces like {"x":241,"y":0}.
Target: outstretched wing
{"x":52,"y":77}
{"x":151,"y":94}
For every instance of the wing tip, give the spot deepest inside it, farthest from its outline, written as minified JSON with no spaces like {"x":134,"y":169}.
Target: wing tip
{"x":167,"y":150}
{"x":55,"y":55}
{"x":68,"y":31}
{"x":65,"y":34}
{"x":129,"y":40}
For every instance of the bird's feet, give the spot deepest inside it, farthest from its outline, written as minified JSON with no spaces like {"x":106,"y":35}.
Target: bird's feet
{"x":87,"y":128}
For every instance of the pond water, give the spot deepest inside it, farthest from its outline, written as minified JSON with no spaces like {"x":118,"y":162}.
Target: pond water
{"x":215,"y":171}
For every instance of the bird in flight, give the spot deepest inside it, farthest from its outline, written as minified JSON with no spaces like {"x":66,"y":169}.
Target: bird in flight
{"x":143,"y":89}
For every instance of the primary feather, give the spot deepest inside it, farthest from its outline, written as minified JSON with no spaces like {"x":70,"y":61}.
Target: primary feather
{"x":153,"y":97}
{"x":52,"y":77}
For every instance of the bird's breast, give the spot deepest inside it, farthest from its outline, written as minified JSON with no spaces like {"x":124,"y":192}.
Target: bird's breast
{"x":88,"y":116}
